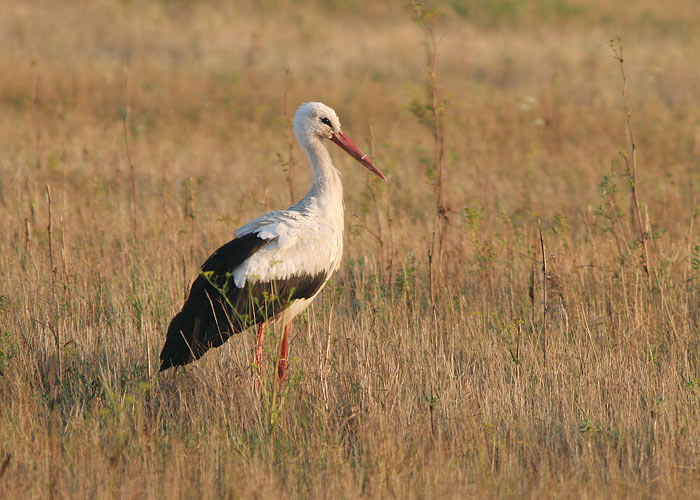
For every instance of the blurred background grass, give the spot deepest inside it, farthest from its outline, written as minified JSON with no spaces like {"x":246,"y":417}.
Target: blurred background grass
{"x":393,"y":393}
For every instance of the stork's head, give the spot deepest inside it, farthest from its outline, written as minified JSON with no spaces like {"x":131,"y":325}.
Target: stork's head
{"x":315,"y":120}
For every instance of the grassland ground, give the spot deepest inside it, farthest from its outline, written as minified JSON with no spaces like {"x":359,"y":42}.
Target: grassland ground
{"x":486,"y":378}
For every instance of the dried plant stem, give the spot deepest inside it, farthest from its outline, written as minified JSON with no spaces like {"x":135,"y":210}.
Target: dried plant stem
{"x":430,"y":270}
{"x":373,"y":192}
{"x":149,"y":361}
{"x":125,"y":119}
{"x":66,"y":289}
{"x":430,"y":114}
{"x":190,"y":214}
{"x":631,"y":167}
{"x":442,"y":210}
{"x":544,"y":293}
{"x":49,"y":230}
{"x":290,"y":139}
{"x":694,"y":212}
{"x":27,"y":235}
{"x":185,"y":278}
{"x":325,"y":362}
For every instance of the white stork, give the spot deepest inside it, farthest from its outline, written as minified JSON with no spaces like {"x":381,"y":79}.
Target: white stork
{"x":277,"y":263}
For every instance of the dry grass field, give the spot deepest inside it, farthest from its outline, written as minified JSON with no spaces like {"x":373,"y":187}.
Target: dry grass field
{"x":489,"y":378}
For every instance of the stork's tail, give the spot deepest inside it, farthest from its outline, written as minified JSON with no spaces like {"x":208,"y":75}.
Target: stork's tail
{"x":202,"y":324}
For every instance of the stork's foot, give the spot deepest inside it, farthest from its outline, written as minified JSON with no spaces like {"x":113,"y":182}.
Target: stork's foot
{"x":259,"y":346}
{"x":284,"y":353}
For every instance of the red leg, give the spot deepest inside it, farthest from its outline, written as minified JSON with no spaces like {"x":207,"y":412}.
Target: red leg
{"x":259,"y":345}
{"x":284,"y":352}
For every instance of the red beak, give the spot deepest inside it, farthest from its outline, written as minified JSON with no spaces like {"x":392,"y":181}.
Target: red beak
{"x":349,"y":147}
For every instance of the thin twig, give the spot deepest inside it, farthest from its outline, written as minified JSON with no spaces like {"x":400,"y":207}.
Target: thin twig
{"x":125,"y":120}
{"x":509,"y":244}
{"x":66,"y":290}
{"x":544,"y":293}
{"x":434,"y":107}
{"x":50,"y":234}
{"x":190,"y":214}
{"x":27,"y":235}
{"x":290,"y":136}
{"x":694,"y":212}
{"x":325,"y":364}
{"x":373,"y":182}
{"x":430,"y":270}
{"x":631,"y":169}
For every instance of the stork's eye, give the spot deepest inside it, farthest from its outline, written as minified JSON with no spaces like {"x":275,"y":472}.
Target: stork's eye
{"x":326,"y":121}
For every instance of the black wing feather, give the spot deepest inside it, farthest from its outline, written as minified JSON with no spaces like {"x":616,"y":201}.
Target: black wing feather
{"x":216,"y":308}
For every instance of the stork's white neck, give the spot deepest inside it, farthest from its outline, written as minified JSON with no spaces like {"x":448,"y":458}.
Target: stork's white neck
{"x":326,"y":190}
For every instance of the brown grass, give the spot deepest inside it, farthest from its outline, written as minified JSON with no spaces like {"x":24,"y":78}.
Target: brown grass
{"x":389,"y":396}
